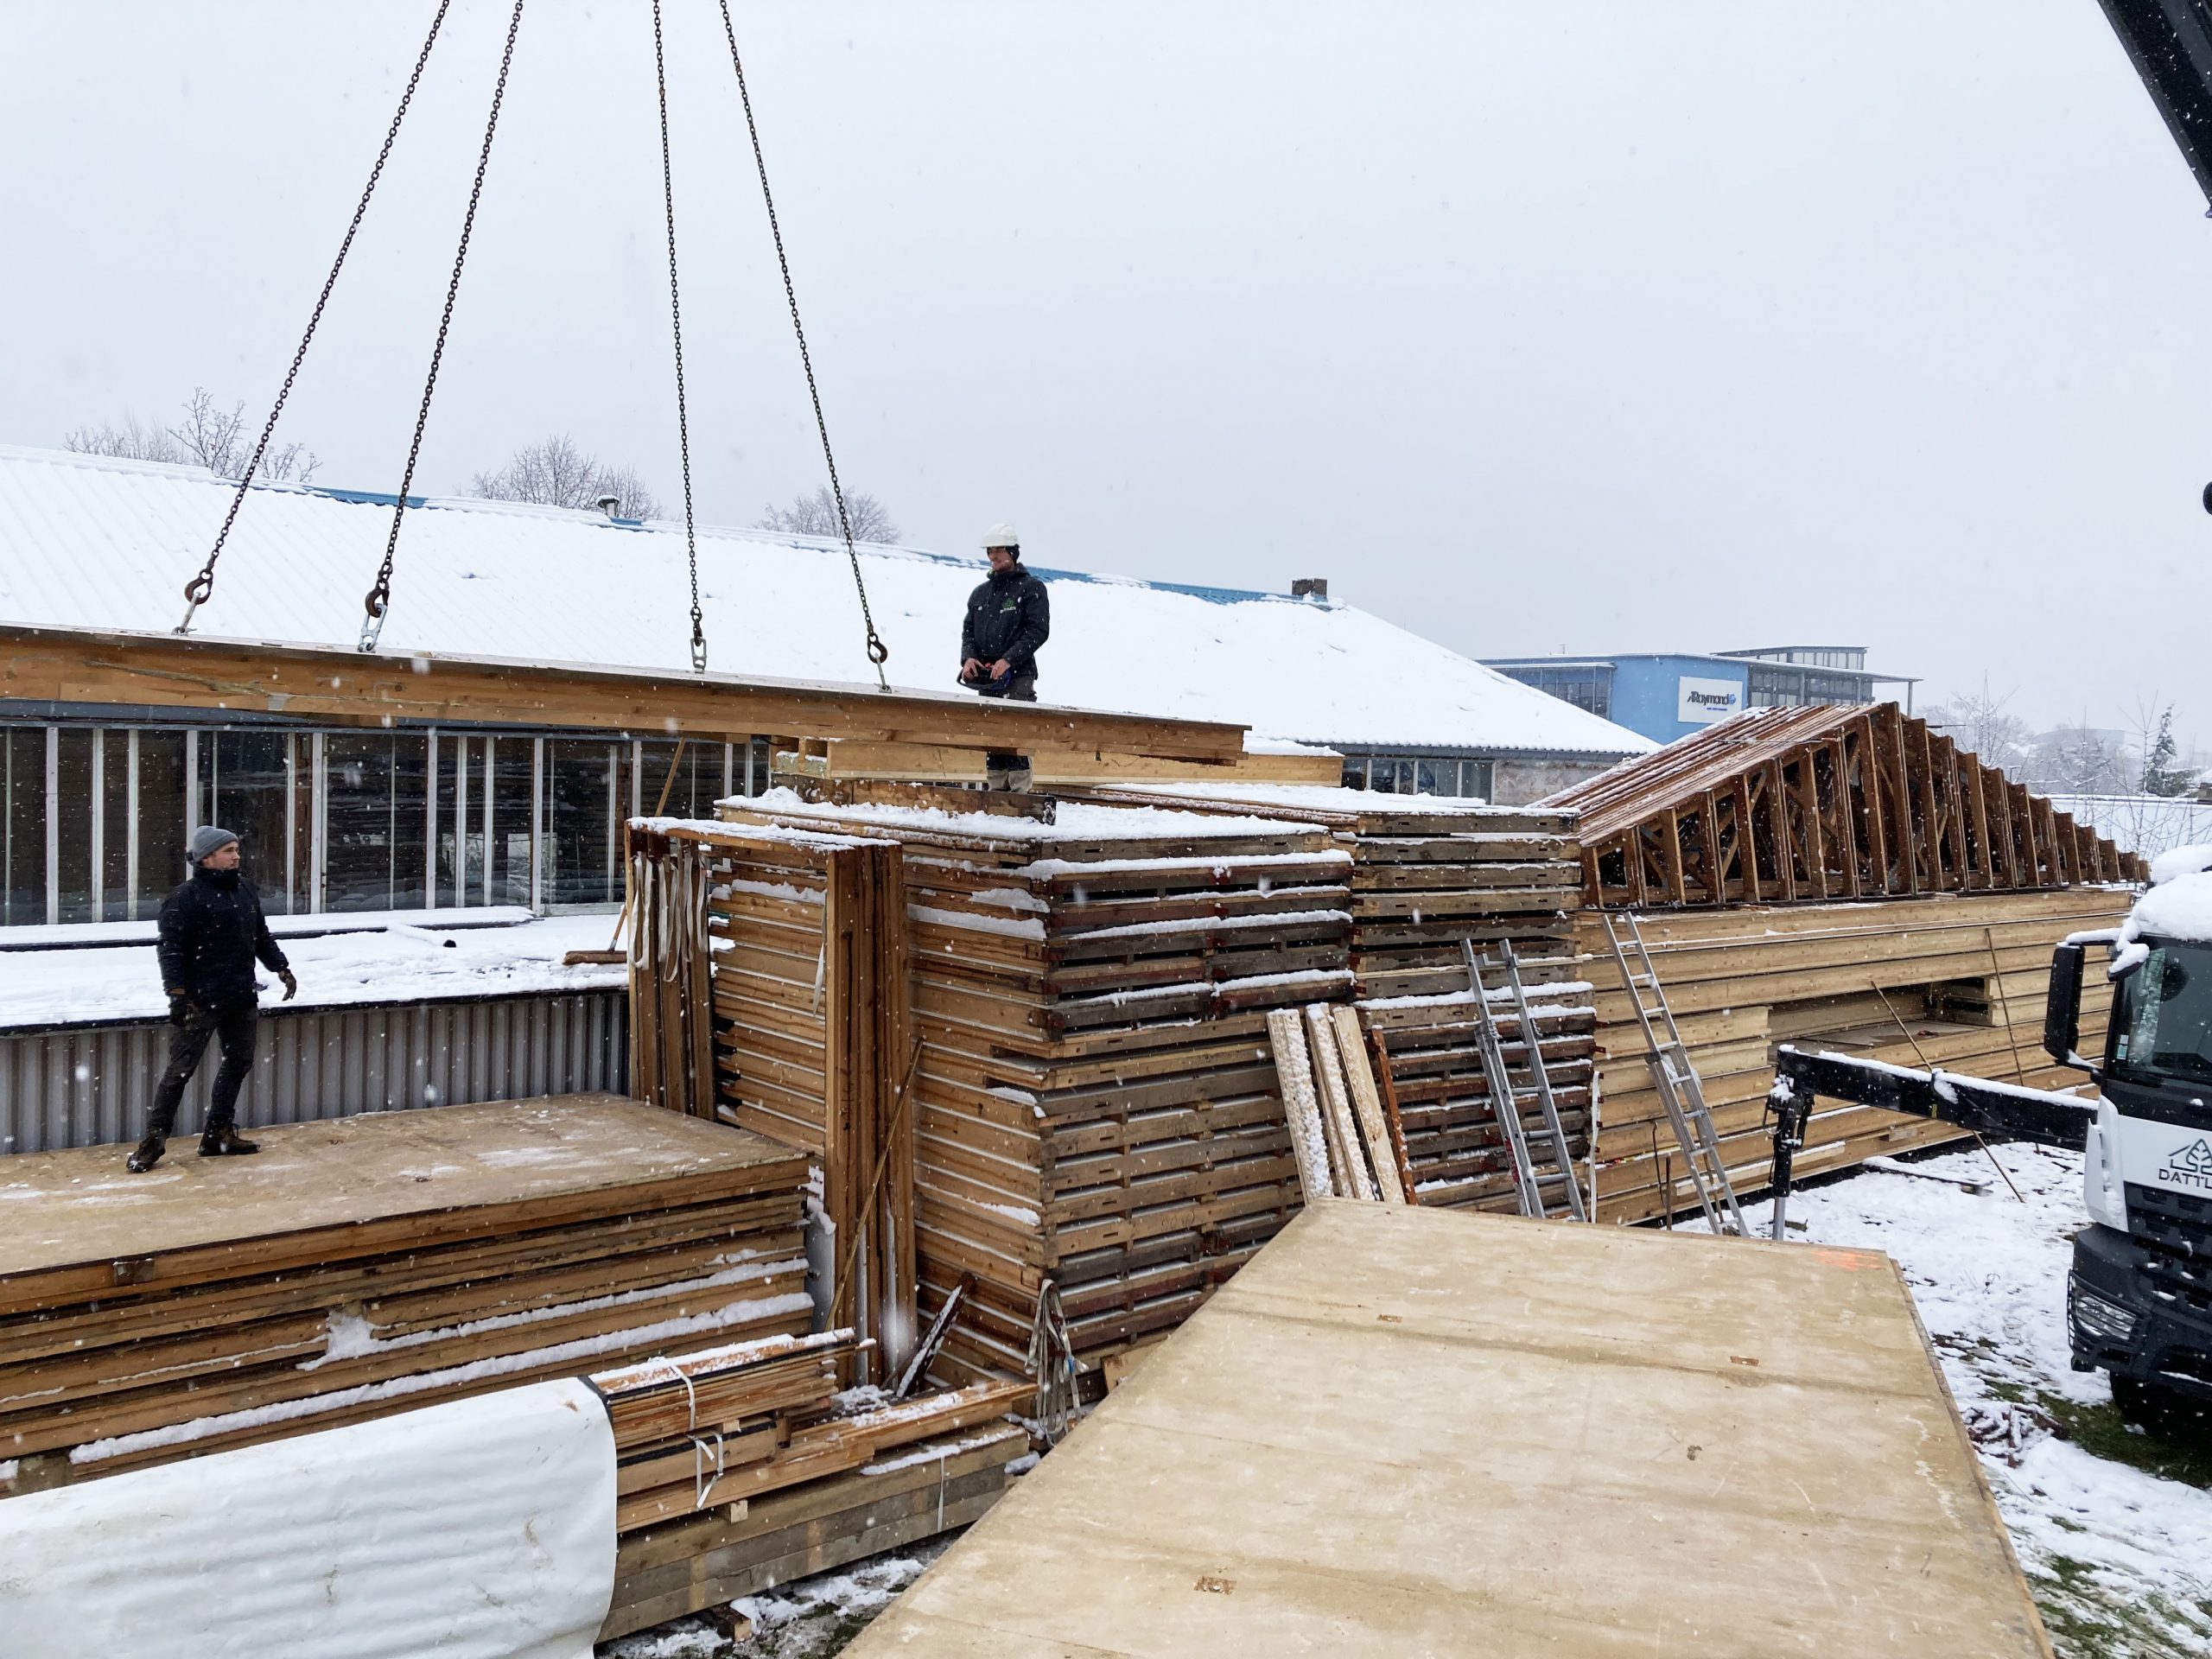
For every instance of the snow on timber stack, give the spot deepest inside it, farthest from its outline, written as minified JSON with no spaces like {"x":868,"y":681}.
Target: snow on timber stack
{"x":1097,"y":1104}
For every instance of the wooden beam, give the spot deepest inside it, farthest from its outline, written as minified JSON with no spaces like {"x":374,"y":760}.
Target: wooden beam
{"x":1870,"y":797}
{"x":1747,"y":844}
{"x":1846,"y":839}
{"x":1778,"y":818}
{"x":841,"y":759}
{"x":1809,"y":809}
{"x":45,"y":664}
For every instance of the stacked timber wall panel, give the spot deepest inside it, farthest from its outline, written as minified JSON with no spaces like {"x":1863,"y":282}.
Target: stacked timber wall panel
{"x":1098,"y":1107}
{"x":365,"y":1266}
{"x":1953,"y":980}
{"x":1428,"y":874}
{"x":800,"y":1030}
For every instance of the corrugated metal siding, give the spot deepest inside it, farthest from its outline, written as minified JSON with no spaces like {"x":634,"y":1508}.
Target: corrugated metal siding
{"x":89,"y":1084}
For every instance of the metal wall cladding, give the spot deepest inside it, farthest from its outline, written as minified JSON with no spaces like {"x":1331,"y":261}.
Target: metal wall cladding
{"x":90,"y":1084}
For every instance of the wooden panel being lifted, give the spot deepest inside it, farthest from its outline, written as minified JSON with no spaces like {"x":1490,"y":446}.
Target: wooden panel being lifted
{"x":1404,"y":1431}
{"x":944,"y":764}
{"x":46,"y":664}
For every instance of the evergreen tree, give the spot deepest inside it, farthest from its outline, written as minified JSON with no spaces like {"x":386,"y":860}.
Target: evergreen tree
{"x":2160,"y":775}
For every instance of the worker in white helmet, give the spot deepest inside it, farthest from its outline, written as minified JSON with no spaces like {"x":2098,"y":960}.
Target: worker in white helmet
{"x":1009,"y":617}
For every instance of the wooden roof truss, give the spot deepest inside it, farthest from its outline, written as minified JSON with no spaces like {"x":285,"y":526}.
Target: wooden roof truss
{"x":1786,"y":805}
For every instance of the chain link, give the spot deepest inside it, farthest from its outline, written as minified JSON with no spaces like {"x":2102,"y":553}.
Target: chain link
{"x":379,"y":599}
{"x":196,"y":591}
{"x":676,"y":319}
{"x":878,"y":652}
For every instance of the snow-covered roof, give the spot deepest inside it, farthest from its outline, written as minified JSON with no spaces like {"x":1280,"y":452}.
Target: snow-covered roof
{"x":89,"y":542}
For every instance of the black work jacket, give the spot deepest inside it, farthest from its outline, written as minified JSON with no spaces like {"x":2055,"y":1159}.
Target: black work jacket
{"x":212,"y":930}
{"x":1009,"y":616}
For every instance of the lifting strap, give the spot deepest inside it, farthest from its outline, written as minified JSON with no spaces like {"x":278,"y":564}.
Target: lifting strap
{"x":196,"y":591}
{"x":878,"y":652}
{"x":379,"y":599}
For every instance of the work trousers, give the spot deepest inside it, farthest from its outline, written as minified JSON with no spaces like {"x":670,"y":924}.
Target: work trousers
{"x":1022,"y":688}
{"x":235,"y":1023}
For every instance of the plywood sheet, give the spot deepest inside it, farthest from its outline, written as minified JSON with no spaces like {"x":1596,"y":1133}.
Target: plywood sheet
{"x":65,"y":1209}
{"x":1403,"y":1431}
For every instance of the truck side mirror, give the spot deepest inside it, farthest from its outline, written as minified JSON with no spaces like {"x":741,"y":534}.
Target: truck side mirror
{"x":2062,"y":1018}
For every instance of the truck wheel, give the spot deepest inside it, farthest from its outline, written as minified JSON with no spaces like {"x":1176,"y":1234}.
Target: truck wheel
{"x":2165,"y":1411}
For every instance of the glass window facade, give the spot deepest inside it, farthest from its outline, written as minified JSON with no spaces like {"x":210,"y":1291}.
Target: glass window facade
{"x":94,"y":817}
{"x":1791,"y":687}
{"x":23,"y":824}
{"x":1409,"y":774}
{"x":1586,"y":685}
{"x":260,"y":785}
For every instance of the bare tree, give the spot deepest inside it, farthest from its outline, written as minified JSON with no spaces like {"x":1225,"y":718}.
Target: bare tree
{"x":1978,"y":722}
{"x":815,"y":513}
{"x":207,"y":436}
{"x":2079,"y":760}
{"x":554,"y":472}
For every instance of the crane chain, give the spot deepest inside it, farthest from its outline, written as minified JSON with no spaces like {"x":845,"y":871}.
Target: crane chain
{"x":198,"y":590}
{"x":878,"y":652}
{"x":676,"y":317}
{"x":379,"y":599}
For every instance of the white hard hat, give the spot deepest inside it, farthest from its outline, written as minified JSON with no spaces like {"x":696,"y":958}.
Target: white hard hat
{"x":1001,"y":536}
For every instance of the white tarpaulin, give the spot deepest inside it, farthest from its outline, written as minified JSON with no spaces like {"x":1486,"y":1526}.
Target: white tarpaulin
{"x":479,"y":1529}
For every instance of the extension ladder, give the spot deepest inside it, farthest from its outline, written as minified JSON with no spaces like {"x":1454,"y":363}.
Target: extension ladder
{"x":1506,"y":1100}
{"x":1676,"y":1080}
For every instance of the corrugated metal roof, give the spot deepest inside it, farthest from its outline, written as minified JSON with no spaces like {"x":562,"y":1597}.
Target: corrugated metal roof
{"x":89,"y":542}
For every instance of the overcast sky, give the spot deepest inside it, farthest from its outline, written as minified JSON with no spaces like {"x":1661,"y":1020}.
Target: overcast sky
{"x":1531,"y":325}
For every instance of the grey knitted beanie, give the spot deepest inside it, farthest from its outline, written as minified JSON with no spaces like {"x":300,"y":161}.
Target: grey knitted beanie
{"x":206,"y":839}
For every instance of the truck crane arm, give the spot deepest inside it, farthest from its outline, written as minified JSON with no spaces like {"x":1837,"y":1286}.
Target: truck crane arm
{"x":2169,"y":42}
{"x":1976,"y":1103}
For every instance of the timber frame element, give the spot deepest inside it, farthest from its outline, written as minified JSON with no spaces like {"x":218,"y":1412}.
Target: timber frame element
{"x":323,"y":682}
{"x":1829,"y":802}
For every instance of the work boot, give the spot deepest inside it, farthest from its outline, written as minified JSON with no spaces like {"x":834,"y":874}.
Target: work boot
{"x":148,"y":1154}
{"x":223,"y":1140}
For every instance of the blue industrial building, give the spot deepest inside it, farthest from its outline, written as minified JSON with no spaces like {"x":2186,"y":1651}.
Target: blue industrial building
{"x":1666,"y":695}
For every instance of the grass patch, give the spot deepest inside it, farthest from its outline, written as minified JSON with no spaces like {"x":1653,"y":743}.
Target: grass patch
{"x":2089,"y":1619}
{"x":2103,"y":1433}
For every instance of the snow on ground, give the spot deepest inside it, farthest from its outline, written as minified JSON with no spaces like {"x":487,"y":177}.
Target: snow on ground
{"x":807,"y":1618}
{"x":2120,"y":1557}
{"x":397,"y":961}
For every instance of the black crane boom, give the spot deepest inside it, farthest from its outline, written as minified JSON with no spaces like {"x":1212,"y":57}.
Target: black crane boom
{"x":2169,"y":41}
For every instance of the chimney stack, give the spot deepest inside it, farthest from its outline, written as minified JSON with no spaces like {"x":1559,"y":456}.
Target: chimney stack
{"x":610,"y":504}
{"x":1309,"y":587}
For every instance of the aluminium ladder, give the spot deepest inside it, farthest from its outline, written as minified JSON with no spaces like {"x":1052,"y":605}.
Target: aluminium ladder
{"x":1506,"y":1100}
{"x":1676,"y":1080}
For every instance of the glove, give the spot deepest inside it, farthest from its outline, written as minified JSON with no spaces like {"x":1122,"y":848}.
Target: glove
{"x":180,"y":1009}
{"x":291,"y":985}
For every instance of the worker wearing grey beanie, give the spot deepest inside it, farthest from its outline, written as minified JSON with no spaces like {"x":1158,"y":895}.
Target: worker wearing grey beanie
{"x":213,"y":931}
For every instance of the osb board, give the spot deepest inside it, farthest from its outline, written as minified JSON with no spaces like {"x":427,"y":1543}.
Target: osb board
{"x":60,"y":1210}
{"x":1403,"y":1431}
